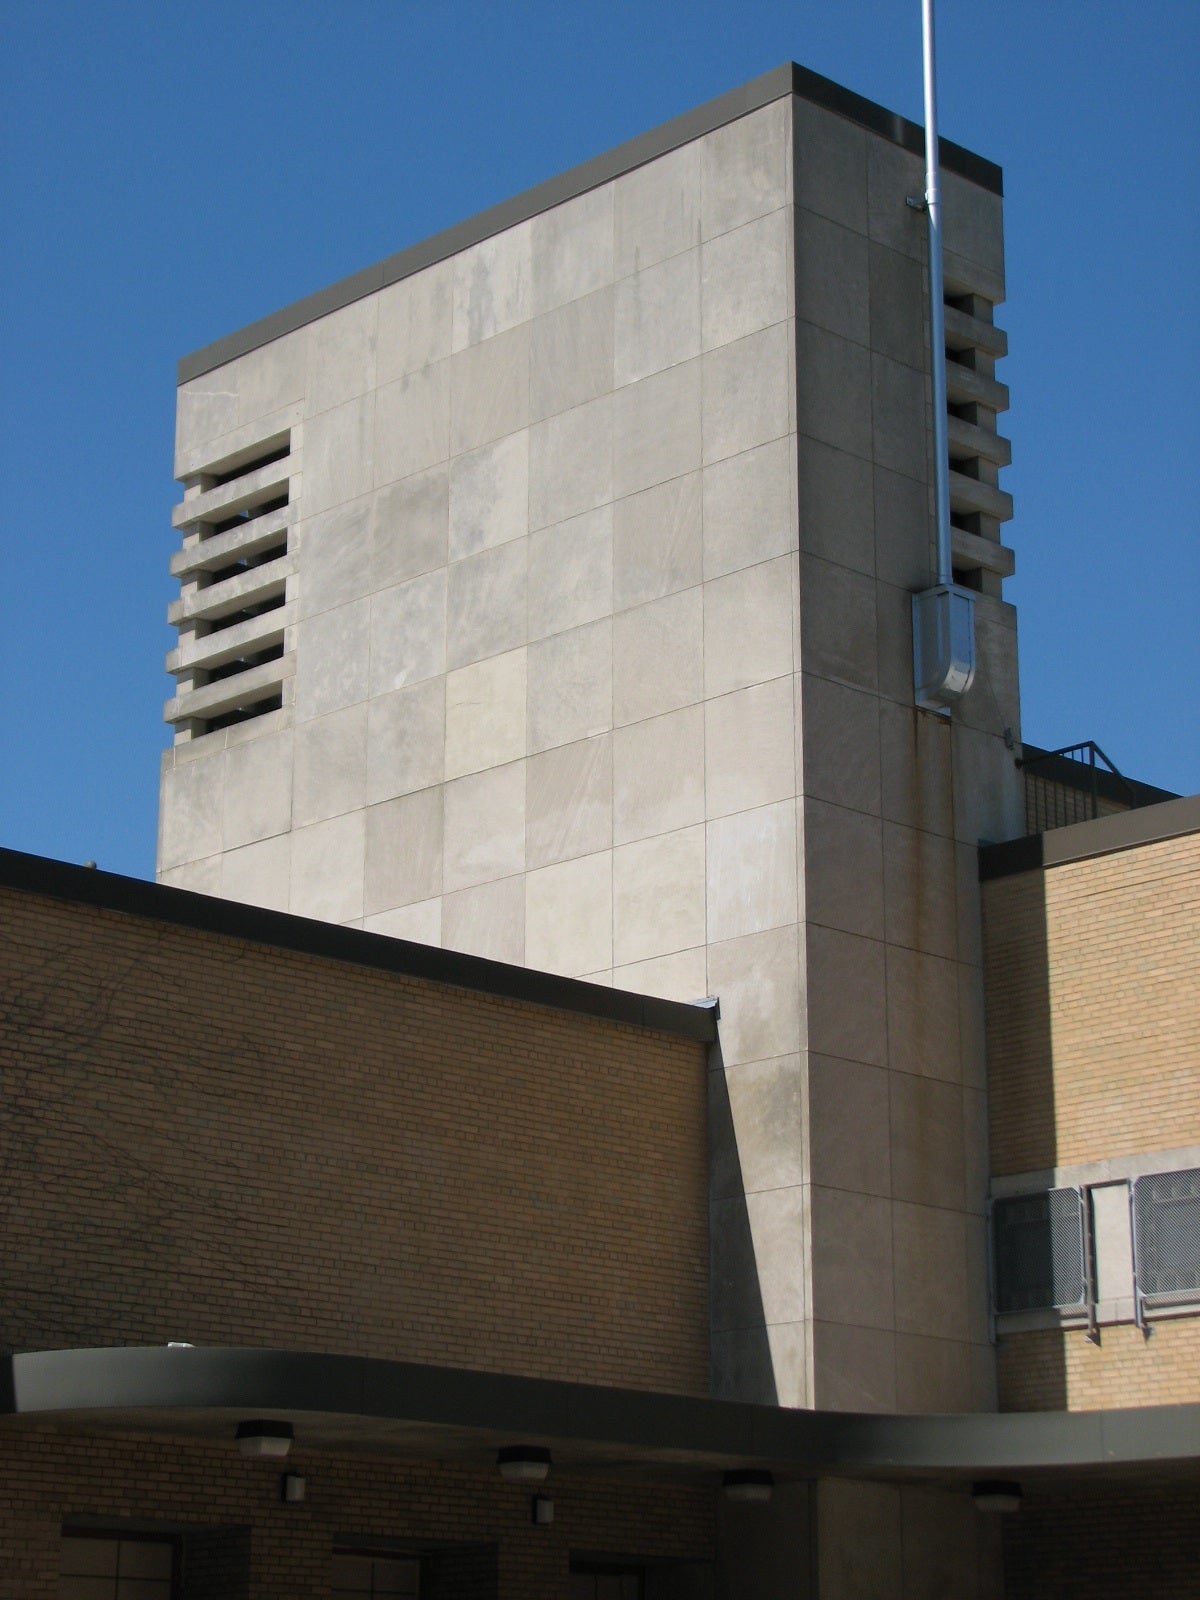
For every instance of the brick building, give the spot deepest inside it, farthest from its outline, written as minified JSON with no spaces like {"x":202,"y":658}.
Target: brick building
{"x":569,"y":1017}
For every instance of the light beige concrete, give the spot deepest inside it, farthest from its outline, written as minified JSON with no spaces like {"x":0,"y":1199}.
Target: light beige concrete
{"x":658,"y":775}
{"x":569,"y":916}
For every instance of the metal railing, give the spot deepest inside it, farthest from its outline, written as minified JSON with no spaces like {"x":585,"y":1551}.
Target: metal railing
{"x":1075,"y":784}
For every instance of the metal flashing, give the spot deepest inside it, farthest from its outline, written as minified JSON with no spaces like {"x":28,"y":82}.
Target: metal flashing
{"x":789,"y":79}
{"x":1079,"y":841}
{"x":339,"y":1402}
{"x":60,"y":880}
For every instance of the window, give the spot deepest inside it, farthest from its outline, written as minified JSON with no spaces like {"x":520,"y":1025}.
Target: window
{"x":606,"y":1580}
{"x":354,"y":1573}
{"x":1038,"y":1251}
{"x":1166,"y":1234}
{"x":106,"y":1567}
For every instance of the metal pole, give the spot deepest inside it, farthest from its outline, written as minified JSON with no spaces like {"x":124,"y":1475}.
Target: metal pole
{"x":937,"y":318}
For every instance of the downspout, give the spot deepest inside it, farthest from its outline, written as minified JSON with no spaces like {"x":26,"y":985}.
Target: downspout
{"x":943,"y":616}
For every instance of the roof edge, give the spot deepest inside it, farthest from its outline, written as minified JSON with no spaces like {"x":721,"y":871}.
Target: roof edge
{"x":280,"y":930}
{"x":1102,"y":836}
{"x":789,"y":79}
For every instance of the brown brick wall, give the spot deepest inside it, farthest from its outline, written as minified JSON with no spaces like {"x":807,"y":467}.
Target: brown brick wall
{"x":48,"y":1478}
{"x":214,"y":1141}
{"x":1093,"y":1009}
{"x":1106,"y":1542}
{"x":1049,"y":1370}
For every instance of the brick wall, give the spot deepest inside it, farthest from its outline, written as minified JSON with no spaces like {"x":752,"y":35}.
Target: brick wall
{"x":1098,"y":1541}
{"x":1093,"y":1008}
{"x":202,"y":1485}
{"x":1048,"y":1370}
{"x":210,"y":1140}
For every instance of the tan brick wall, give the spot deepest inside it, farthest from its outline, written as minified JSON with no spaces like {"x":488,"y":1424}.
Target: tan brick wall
{"x":219,"y":1142}
{"x":1049,"y":1370}
{"x":48,"y":1478}
{"x":1093,"y":1010}
{"x":1105,"y":1542}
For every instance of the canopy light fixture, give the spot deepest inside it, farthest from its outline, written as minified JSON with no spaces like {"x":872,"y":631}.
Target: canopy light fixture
{"x":747,"y":1484}
{"x":996,"y":1494}
{"x":523,"y":1463}
{"x":272,"y":1440}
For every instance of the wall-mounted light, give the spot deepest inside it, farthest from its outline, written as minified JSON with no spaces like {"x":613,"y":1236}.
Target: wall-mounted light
{"x":996,"y":1494}
{"x":523,"y":1463}
{"x":746,"y":1484}
{"x":292,"y":1488}
{"x":541,"y":1511}
{"x":271,"y":1440}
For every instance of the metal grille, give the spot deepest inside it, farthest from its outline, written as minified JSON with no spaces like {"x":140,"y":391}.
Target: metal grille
{"x":1166,"y":1230}
{"x":1038,"y":1251}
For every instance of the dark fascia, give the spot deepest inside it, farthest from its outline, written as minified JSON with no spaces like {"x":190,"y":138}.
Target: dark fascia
{"x":790,"y":79}
{"x":210,"y":1384}
{"x":1078,"y":841}
{"x":60,"y":880}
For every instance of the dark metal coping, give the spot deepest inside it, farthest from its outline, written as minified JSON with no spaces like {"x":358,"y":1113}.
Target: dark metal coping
{"x":786,"y":80}
{"x":191,"y":1388}
{"x":1123,"y":830}
{"x":60,"y":880}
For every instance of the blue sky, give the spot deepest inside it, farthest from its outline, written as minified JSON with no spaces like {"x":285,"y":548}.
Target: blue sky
{"x":170,"y":172}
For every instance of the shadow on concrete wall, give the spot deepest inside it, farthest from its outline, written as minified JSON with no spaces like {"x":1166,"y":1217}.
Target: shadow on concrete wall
{"x":741,"y":1365}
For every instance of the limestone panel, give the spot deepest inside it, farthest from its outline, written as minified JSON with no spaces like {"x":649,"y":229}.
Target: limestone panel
{"x":415,"y":321}
{"x":657,"y":540}
{"x":839,"y":513}
{"x":403,"y":850}
{"x":859,"y":1541}
{"x":749,"y":508}
{"x":920,"y":890}
{"x":766,"y":1102}
{"x":931,"y":1266}
{"x":744,"y":169}
{"x":932,"y":1375}
{"x":658,"y":896}
{"x":915,"y":750}
{"x":898,"y":415}
{"x":848,"y":1122}
{"x":752,"y":871}
{"x":493,"y":285}
{"x":406,"y":734}
{"x":747,"y":279}
{"x":657,"y":318}
{"x":657,"y":660}
{"x":330,"y":765}
{"x":338,"y":454}
{"x":922,"y":1000}
{"x":332,"y":659}
{"x":341,"y":356}
{"x":569,"y":916}
{"x":569,"y":802}
{"x":855,"y":1368}
{"x":679,"y":976}
{"x":571,"y":355}
{"x":843,"y":869}
{"x":272,"y":377}
{"x":190,"y":812}
{"x":420,"y":923}
{"x":489,"y":390}
{"x":258,"y":874}
{"x":199,"y":877}
{"x":852,"y":1258}
{"x":412,"y":423}
{"x":778,"y":1227}
{"x":747,"y":393}
{"x":409,"y":527}
{"x":408,"y":633}
{"x":658,"y":775}
{"x":335,"y":557}
{"x":838,"y":623}
{"x":748,"y":627}
{"x":257,"y":798}
{"x":570,"y":685}
{"x":840,"y":966}
{"x":892,"y":175}
{"x":927,"y":1140}
{"x":841,"y":744}
{"x":571,"y":573}
{"x":833,"y":376}
{"x":905,"y":530}
{"x":656,"y":429}
{"x":572,"y":249}
{"x":749,"y":748}
{"x":327,"y":869}
{"x":570,"y":463}
{"x":761,"y":987}
{"x":486,"y":604}
{"x":484,"y":827}
{"x":832,"y":276}
{"x":485,"y":714}
{"x":489,"y":496}
{"x":898,"y":307}
{"x":657,"y":210}
{"x":830,"y":165}
{"x":488,"y":920}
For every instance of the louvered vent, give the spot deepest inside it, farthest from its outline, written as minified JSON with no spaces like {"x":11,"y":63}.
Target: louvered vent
{"x":974,"y":398}
{"x":1166,"y":1231}
{"x":234,"y":607}
{"x":1038,"y":1251}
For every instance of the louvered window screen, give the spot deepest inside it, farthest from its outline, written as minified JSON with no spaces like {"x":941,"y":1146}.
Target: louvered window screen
{"x":1166,"y":1225}
{"x":1037,"y":1242}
